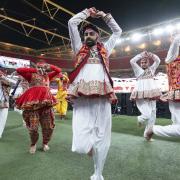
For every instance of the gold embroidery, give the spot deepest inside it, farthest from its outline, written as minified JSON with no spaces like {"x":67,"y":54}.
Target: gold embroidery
{"x":33,"y":105}
{"x":39,"y":80}
{"x":90,"y":88}
{"x":93,"y":61}
{"x":146,"y":75}
{"x":151,"y":94}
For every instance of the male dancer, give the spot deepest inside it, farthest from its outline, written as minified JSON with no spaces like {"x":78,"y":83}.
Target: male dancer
{"x":173,"y":96}
{"x":5,"y":85}
{"x":91,"y":88}
{"x":146,"y":90}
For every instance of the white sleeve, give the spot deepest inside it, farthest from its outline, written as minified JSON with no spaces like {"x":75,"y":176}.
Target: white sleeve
{"x":136,"y":68}
{"x":9,"y":80}
{"x":173,"y":50}
{"x":73,"y":29}
{"x":110,"y":44}
{"x":156,"y":63}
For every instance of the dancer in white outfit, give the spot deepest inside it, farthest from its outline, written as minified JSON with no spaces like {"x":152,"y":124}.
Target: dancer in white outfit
{"x":91,"y":88}
{"x":173,"y":96}
{"x":5,"y":84}
{"x":21,"y":86}
{"x":146,"y":91}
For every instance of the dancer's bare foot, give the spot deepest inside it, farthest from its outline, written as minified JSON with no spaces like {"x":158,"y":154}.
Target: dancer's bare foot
{"x":149,"y":135}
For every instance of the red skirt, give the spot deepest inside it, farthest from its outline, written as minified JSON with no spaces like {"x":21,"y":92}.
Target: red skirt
{"x":35,"y":98}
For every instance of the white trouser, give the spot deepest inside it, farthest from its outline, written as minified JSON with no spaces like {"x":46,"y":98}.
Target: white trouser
{"x":147,"y":109}
{"x":3,"y":118}
{"x":174,"y":108}
{"x":170,"y":130}
{"x":92,"y":129}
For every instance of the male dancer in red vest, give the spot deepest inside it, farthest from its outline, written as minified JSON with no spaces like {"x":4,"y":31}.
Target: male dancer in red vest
{"x":91,"y":88}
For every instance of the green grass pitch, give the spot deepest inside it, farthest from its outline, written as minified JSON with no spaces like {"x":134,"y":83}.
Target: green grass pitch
{"x":129,"y":157}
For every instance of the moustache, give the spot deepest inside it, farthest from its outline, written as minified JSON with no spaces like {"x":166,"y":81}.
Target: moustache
{"x":89,"y":39}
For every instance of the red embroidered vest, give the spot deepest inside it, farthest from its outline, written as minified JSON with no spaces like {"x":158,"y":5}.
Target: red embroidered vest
{"x":85,"y":50}
{"x":82,"y":57}
{"x":173,"y":71}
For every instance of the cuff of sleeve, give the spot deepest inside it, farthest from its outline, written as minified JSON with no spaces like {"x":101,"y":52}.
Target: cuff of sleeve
{"x":177,"y":41}
{"x":86,"y":12}
{"x":53,"y":67}
{"x":140,"y":56}
{"x":107,"y":18}
{"x":154,"y":56}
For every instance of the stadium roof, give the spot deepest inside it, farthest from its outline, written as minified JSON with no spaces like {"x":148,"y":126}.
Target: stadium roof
{"x":43,"y":23}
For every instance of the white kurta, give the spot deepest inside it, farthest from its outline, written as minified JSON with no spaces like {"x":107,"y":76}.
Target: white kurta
{"x":3,"y":113}
{"x":4,"y":110}
{"x":91,"y":80}
{"x":22,"y":87}
{"x":3,"y":118}
{"x":92,"y":116}
{"x":174,"y":107}
{"x":145,"y":91}
{"x":145,"y":87}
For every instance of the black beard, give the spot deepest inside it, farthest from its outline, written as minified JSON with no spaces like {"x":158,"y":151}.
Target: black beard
{"x":144,"y":68}
{"x":90,"y":42}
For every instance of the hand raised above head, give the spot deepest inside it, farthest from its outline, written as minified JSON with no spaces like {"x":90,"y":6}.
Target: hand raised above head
{"x":100,"y":14}
{"x":177,"y":38}
{"x":144,"y":54}
{"x":150,"y":55}
{"x":92,"y":11}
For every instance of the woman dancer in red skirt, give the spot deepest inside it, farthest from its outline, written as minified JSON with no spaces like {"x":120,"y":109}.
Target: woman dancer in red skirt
{"x":37,"y":102}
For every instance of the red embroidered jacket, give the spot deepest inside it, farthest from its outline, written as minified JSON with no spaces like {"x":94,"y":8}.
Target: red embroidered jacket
{"x":173,"y":70}
{"x":82,"y":57}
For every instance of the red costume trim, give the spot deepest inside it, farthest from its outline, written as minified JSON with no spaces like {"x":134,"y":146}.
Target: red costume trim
{"x":82,"y":57}
{"x":173,"y":71}
{"x":38,"y":95}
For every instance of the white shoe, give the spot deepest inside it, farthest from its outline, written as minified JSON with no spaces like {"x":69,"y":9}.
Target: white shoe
{"x":32,"y":149}
{"x":24,"y":124}
{"x":151,"y":140}
{"x":95,"y":177}
{"x":46,"y":147}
